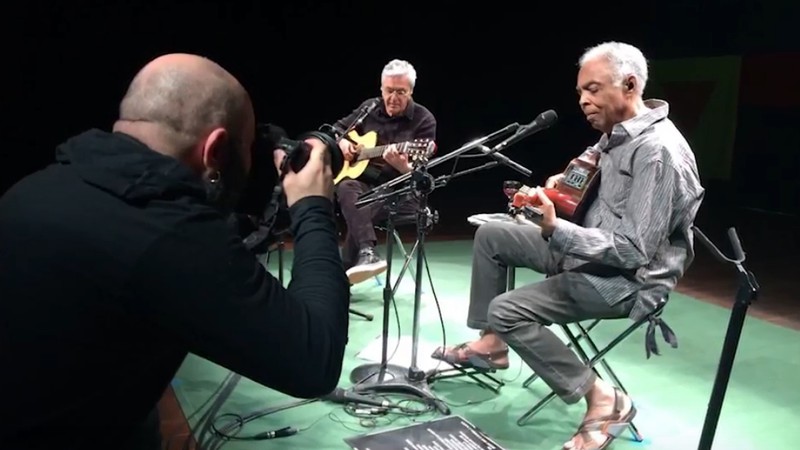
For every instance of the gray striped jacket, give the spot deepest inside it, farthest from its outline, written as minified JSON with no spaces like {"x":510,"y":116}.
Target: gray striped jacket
{"x":636,"y":237}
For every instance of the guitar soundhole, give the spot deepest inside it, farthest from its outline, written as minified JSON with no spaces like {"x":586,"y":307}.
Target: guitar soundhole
{"x":576,"y":178}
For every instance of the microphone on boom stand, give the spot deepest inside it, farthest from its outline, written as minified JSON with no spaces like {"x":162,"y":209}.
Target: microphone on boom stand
{"x":365,"y":111}
{"x":506,"y":161}
{"x":411,"y":380}
{"x":542,"y":122}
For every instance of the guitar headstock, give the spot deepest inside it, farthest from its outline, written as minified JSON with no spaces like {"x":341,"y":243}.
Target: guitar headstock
{"x":419,"y":151}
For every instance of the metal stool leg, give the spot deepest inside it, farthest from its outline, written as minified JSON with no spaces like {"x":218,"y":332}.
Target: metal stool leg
{"x":408,"y":258}
{"x":584,"y":334}
{"x":591,"y":362}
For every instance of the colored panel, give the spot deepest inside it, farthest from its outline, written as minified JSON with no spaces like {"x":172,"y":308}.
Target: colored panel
{"x":703,"y":96}
{"x":771,"y":80}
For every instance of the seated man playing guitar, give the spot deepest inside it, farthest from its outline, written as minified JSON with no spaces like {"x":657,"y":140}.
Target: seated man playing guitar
{"x":626,"y":254}
{"x":397,"y":122}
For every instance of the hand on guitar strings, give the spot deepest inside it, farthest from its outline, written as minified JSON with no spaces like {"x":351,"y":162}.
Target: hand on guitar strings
{"x":547,"y":223}
{"x":349,"y":151}
{"x":396,"y":159}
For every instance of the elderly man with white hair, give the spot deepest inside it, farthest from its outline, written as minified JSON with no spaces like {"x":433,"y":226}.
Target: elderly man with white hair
{"x":396,"y":119}
{"x":632,"y":246}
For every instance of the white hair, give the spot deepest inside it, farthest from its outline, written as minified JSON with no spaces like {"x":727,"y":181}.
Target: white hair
{"x":625,"y":60}
{"x":398,"y":67}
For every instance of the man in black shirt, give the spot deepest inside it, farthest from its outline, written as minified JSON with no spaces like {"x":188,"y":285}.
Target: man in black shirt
{"x":117,"y":260}
{"x":397,"y":118}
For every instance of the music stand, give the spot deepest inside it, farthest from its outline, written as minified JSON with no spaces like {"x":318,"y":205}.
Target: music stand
{"x":390,"y":378}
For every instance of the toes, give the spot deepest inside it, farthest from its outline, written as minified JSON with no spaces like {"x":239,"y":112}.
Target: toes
{"x":593,"y":439}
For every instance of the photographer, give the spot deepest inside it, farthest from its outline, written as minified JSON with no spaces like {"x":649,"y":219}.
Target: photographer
{"x":117,"y":261}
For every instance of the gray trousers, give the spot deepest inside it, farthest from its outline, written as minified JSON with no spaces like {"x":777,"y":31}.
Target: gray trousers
{"x":521,"y":316}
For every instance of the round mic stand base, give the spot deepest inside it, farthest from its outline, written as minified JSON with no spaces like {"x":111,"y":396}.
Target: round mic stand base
{"x":389,"y":378}
{"x":393,"y":379}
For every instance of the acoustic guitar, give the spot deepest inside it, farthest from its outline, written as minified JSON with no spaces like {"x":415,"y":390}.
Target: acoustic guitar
{"x":420,"y":148}
{"x":572,"y":195}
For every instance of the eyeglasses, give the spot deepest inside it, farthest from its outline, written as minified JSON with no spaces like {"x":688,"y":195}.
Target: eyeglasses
{"x":400,"y":92}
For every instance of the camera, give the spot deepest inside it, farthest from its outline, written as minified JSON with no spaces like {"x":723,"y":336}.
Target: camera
{"x":262,"y":209}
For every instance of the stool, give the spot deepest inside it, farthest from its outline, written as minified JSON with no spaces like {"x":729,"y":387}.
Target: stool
{"x":400,"y":221}
{"x":653,"y":319}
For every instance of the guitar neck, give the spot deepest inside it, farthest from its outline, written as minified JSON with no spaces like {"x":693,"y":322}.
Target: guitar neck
{"x":374,"y":152}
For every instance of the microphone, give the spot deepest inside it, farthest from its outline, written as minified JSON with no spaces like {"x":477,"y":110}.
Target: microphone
{"x":365,"y":110}
{"x":340,"y":395}
{"x":542,"y":122}
{"x":505,"y":160}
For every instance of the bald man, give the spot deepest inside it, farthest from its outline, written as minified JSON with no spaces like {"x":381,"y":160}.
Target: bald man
{"x":117,"y":261}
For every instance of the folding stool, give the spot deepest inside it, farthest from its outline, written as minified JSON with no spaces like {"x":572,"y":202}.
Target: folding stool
{"x":653,"y":320}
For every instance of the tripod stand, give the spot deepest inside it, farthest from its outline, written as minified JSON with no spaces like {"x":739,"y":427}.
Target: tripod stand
{"x":384,"y":377}
{"x":389,"y":378}
{"x":745,"y":295}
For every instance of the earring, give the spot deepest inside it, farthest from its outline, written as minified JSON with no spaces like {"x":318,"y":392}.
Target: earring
{"x":214,"y":177}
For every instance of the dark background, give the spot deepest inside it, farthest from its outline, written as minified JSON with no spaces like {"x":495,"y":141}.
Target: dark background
{"x":480,"y":67}
{"x":65,"y":68}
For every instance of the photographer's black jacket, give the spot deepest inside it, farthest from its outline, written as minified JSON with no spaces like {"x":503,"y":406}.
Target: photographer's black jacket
{"x":113,"y":267}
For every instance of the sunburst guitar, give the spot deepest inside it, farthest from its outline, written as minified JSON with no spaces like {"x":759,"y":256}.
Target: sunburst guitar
{"x":420,"y":148}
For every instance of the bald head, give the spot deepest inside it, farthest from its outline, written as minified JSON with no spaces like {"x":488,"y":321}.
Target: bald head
{"x":177,"y":99}
{"x":190,"y":108}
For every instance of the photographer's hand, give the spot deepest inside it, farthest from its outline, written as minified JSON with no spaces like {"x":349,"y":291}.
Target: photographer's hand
{"x":315,"y":179}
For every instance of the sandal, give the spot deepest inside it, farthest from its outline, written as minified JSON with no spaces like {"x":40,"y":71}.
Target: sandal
{"x":463,"y":356}
{"x":611,"y":426}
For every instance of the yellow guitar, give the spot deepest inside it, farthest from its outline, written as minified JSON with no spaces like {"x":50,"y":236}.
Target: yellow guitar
{"x":353,"y":169}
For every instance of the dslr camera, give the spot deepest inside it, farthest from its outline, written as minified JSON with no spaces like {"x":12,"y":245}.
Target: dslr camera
{"x":262,"y":213}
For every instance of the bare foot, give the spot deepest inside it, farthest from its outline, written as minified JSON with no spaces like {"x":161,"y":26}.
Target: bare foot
{"x":601,"y":412}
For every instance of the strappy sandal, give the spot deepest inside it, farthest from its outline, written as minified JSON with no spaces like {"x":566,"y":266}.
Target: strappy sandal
{"x":462,"y":355}
{"x":611,"y":426}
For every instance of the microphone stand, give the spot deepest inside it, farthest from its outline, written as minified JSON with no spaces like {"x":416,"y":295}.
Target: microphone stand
{"x":342,"y":134}
{"x":745,"y":295}
{"x":390,"y":378}
{"x":366,"y":197}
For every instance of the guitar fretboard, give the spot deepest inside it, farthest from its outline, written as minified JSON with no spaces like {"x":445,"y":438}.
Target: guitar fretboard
{"x":375,"y":152}
{"x":526,"y":190}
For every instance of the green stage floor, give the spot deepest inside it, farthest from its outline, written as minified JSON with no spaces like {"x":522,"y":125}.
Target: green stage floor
{"x":671,"y":391}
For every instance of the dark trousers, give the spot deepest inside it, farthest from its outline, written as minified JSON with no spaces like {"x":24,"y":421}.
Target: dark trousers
{"x":360,"y":221}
